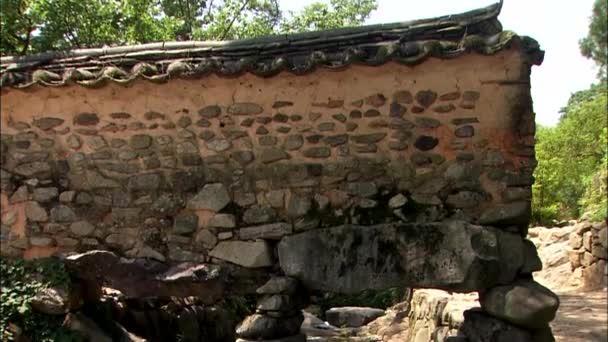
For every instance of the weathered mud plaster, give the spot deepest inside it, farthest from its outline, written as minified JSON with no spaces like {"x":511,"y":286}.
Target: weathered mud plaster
{"x":409,"y":148}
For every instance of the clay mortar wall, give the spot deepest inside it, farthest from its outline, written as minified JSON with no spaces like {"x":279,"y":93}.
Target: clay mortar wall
{"x":220,"y":169}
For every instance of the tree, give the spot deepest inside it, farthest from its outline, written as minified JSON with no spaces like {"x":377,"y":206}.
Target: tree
{"x":30,"y":26}
{"x":595,"y":45}
{"x":573,"y":159}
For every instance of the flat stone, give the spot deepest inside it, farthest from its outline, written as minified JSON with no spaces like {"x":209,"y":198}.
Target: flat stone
{"x":293,"y":142}
{"x":280,"y":117}
{"x":86,"y":119}
{"x":184,"y":121}
{"x":426,"y":98}
{"x":426,"y":143}
{"x":150,"y":181}
{"x":206,"y":135}
{"x":210,"y":112}
{"x":51,"y":301}
{"x":464,"y":199}
{"x":426,"y":122}
{"x":444,"y":108}
{"x":525,"y":303}
{"x":451,"y":96}
{"x":250,"y":254}
{"x":466,"y":131}
{"x":339,"y":117}
{"x":245,"y":108}
{"x":45,"y":194}
{"x":317,"y":152}
{"x":336,"y":140}
{"x":244,"y":199}
{"x":368,"y":138}
{"x":222,"y":221}
{"x":46,"y":124}
{"x":452,"y":255}
{"x":298,"y":206}
{"x":403,"y":96}
{"x":20,"y":195}
{"x":74,"y":142}
{"x":62,"y":213}
{"x":272,"y":231}
{"x":532,"y":262}
{"x":267,"y":140}
{"x":479,"y":326}
{"x":206,"y":238}
{"x":212,"y":197}
{"x":219,"y":145}
{"x":276,"y":303}
{"x":351,"y":316}
{"x":152,"y":115}
{"x":225,"y":235}
{"x":362,"y":189}
{"x":512,"y":194}
{"x":471,"y":95}
{"x":397,"y":110}
{"x":464,"y":121}
{"x":376,"y":100}
{"x":258,"y":214}
{"x":397,"y":201}
{"x":41,"y":241}
{"x":140,"y":141}
{"x":326,"y":126}
{"x":281,"y":104}
{"x":262,"y":327}
{"x":34,"y":212}
{"x":278,"y":285}
{"x":276,"y":198}
{"x":185,"y":223}
{"x":82,"y":228}
{"x":270,"y":155}
{"x":126,"y":215}
{"x":315,"y":138}
{"x":371,"y":113}
{"x":508,"y":214}
{"x":242,"y":157}
{"x":31,"y":170}
{"x":261,"y":130}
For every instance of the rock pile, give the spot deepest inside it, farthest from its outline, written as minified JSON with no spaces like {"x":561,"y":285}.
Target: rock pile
{"x":588,"y":253}
{"x":278,"y":315}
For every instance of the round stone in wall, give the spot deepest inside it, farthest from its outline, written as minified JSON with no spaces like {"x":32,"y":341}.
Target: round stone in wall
{"x":465,"y":131}
{"x":82,"y":228}
{"x":426,"y":143}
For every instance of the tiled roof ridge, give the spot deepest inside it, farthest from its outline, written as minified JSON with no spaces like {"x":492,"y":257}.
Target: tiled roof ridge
{"x":406,"y":42}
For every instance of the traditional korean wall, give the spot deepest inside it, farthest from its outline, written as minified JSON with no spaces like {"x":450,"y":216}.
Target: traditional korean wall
{"x":221,"y":169}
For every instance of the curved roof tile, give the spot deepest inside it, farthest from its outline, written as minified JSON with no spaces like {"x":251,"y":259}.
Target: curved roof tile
{"x":408,"y":43}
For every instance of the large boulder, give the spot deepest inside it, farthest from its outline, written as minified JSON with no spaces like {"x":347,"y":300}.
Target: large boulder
{"x":524,"y":303}
{"x":478,"y":326}
{"x":452,"y":255}
{"x":352,"y":317}
{"x":51,"y":301}
{"x":259,"y":326}
{"x":142,"y":277}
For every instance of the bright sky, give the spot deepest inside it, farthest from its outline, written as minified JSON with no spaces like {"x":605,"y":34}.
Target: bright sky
{"x":556,"y":25}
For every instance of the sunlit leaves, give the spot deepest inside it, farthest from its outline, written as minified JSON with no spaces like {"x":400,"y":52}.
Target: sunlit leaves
{"x":30,"y":26}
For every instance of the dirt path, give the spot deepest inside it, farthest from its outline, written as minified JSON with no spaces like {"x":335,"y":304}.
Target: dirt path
{"x":582,"y":317}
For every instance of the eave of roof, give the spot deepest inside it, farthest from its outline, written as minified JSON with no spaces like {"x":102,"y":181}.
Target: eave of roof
{"x":408,"y":43}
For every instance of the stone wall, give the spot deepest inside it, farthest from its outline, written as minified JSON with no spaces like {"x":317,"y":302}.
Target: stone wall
{"x":220,"y":168}
{"x":588,"y":251}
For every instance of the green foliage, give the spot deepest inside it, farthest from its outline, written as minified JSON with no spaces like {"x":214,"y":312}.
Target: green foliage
{"x":572,"y":160}
{"x":31,"y":26}
{"x":20,"y":281}
{"x":320,"y":16}
{"x":239,"y":307}
{"x":595,"y":45}
{"x":382,"y":299}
